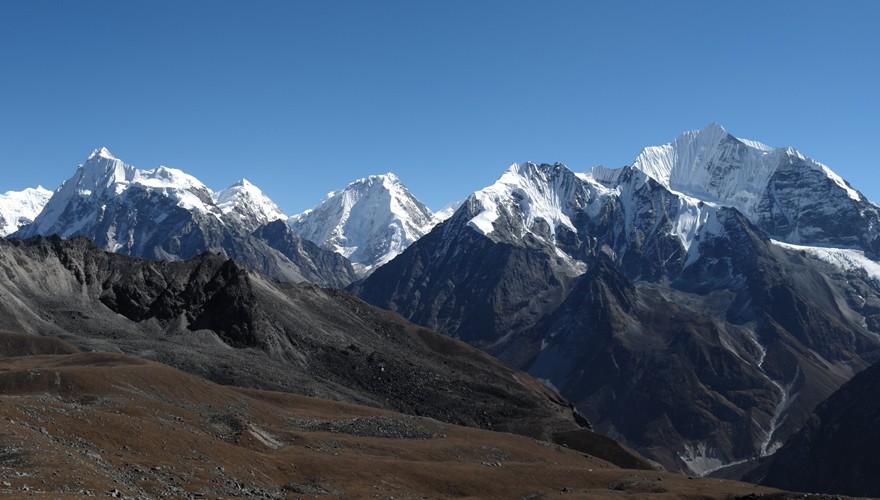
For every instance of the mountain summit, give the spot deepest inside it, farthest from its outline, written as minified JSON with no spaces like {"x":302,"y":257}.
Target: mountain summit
{"x":80,"y":206}
{"x":789,"y":196}
{"x":370,"y":221}
{"x":246,"y":204}
{"x":167,"y":214}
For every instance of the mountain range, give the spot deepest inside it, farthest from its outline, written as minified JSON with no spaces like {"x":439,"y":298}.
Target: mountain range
{"x":696,"y":305}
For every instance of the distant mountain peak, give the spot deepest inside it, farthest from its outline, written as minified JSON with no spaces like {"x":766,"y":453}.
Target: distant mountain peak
{"x":369,"y":221}
{"x":243,"y":183}
{"x":20,"y":208}
{"x":531,"y":192}
{"x":387,"y":181}
{"x":714,"y":166}
{"x":167,"y":214}
{"x":248,"y":204}
{"x":102,"y":152}
{"x":390,"y":176}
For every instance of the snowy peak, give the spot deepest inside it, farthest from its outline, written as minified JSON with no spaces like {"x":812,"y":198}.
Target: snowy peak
{"x":370,"y":221}
{"x":100,"y":170}
{"x":711,"y":165}
{"x":247,"y":203}
{"x":448,"y":211}
{"x":102,"y":152}
{"x":20,"y":208}
{"x":167,"y":178}
{"x":544,"y":195}
{"x":374,"y":183}
{"x":714,"y":166}
{"x":106,"y":187}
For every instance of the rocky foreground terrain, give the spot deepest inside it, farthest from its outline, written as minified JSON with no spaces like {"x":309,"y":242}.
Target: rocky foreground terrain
{"x":219,"y":320}
{"x":75,"y":423}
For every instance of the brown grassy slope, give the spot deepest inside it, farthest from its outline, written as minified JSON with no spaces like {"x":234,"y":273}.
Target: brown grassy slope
{"x":107,"y":423}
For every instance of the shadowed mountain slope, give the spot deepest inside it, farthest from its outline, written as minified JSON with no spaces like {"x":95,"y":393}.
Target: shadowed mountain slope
{"x":215,"y":318}
{"x":836,"y":451}
{"x":690,"y":304}
{"x":154,"y":431}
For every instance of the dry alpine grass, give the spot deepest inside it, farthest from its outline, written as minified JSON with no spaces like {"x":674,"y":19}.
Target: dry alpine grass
{"x":74,"y":424}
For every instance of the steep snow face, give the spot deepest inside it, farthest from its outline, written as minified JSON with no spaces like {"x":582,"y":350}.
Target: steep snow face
{"x":20,"y":208}
{"x":714,"y":166}
{"x":540,"y":199}
{"x":247,"y":203}
{"x":370,"y":221}
{"x":790,"y":197}
{"x":623,"y":213}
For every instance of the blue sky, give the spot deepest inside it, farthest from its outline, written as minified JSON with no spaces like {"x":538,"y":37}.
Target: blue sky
{"x":302,"y":98}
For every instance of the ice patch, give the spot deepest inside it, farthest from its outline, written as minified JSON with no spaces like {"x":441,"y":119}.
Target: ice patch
{"x":844,"y":258}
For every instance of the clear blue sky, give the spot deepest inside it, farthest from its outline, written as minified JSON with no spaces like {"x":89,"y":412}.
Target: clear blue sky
{"x":303,"y":97}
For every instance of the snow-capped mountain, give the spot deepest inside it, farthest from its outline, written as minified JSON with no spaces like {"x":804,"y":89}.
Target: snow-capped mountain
{"x":569,"y":213}
{"x":791,"y":197}
{"x":370,"y":221}
{"x":165,"y":213}
{"x":80,"y":205}
{"x":103,"y":180}
{"x":247,"y":205}
{"x":447,"y":211}
{"x":20,"y":208}
{"x":674,"y":300}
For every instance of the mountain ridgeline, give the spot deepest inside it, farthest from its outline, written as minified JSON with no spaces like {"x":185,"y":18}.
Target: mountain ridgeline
{"x":167,"y":214}
{"x":697,"y":305}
